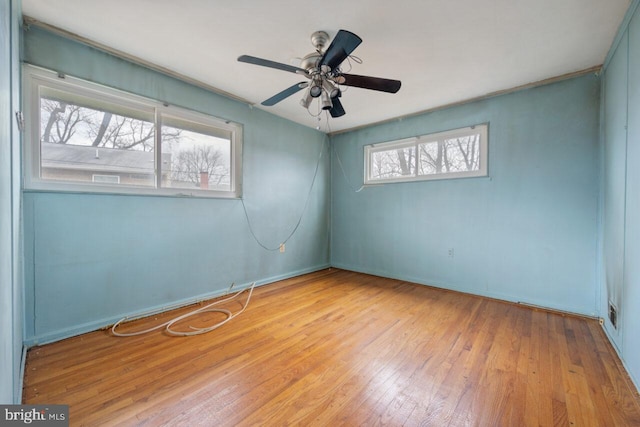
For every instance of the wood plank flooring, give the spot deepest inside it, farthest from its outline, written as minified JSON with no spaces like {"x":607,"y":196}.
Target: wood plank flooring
{"x":343,"y":348}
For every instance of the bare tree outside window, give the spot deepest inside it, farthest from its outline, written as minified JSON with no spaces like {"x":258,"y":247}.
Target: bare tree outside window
{"x":393,"y":163}
{"x":78,"y":142}
{"x":451,"y":154}
{"x":88,"y":137}
{"x":66,"y":123}
{"x":200,"y":165}
{"x":122,"y":133}
{"x":198,"y":160}
{"x":59,"y":120}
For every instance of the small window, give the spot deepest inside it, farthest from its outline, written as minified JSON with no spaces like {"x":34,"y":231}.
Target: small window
{"x":85,"y":137}
{"x":459,"y":153}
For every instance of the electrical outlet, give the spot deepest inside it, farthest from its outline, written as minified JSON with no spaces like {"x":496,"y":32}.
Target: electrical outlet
{"x":613,"y":315}
{"x":281,"y":247}
{"x":451,"y":252}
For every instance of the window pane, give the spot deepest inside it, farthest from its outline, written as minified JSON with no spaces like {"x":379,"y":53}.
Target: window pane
{"x":195,"y":159}
{"x":394,"y":163}
{"x":78,"y":142}
{"x":456,"y":153}
{"x":460,"y":154}
{"x":87,"y":137}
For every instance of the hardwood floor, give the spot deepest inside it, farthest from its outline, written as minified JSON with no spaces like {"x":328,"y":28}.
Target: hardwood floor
{"x":342,"y":348}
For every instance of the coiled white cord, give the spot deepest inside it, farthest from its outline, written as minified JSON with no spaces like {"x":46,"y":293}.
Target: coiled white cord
{"x":196,"y":331}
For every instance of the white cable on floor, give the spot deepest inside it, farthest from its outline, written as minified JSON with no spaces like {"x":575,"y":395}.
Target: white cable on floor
{"x":196,"y":331}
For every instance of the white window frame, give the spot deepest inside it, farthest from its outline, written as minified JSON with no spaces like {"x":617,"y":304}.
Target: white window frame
{"x":370,"y":150}
{"x":36,"y":78}
{"x":105,"y":178}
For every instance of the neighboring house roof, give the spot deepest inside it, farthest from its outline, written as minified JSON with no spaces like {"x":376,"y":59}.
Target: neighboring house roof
{"x":99,"y":159}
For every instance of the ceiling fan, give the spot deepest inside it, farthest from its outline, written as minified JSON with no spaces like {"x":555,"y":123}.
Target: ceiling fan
{"x":322,"y":69}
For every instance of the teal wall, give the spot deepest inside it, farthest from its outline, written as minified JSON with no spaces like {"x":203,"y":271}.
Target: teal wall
{"x":620,"y":281}
{"x":614,"y":175}
{"x":93,"y":258}
{"x":526,"y":233}
{"x":11,"y":305}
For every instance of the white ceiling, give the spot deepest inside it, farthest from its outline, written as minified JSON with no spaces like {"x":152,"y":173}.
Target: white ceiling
{"x":443,"y":51}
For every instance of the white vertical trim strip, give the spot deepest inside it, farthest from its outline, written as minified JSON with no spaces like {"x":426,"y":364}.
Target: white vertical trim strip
{"x":621,"y":30}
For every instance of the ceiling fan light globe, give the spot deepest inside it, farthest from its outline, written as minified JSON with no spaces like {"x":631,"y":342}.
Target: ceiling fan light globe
{"x":315,"y":91}
{"x":330,"y":88}
{"x":326,"y":101}
{"x":306,"y":101}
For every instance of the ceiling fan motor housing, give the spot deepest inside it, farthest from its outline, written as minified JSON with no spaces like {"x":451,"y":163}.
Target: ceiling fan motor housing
{"x":310,"y":61}
{"x":319,"y":40}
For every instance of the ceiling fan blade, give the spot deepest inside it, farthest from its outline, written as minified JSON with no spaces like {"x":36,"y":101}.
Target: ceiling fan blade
{"x":340,"y":48}
{"x":366,"y":82}
{"x":337,"y":110}
{"x":284,"y":94}
{"x":271,"y":64}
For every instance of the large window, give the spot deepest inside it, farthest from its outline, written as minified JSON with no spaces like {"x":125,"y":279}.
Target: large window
{"x":458,"y":153}
{"x":85,"y":137}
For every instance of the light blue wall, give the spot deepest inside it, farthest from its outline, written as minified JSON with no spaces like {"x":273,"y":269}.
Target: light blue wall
{"x":91,"y":259}
{"x":631,"y":304}
{"x":11,"y":313}
{"x":614,"y":173}
{"x":527,"y":233}
{"x":621,"y":121}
